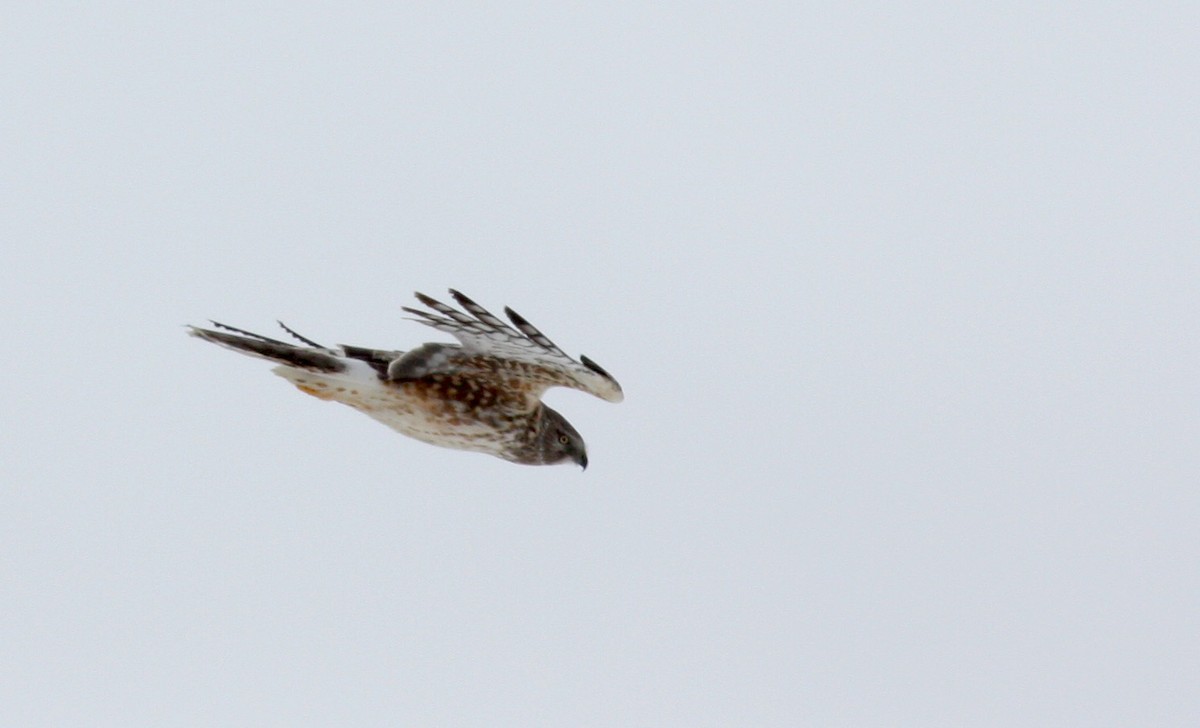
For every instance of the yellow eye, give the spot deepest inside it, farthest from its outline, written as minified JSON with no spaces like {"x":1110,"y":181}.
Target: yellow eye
{"x":564,"y":439}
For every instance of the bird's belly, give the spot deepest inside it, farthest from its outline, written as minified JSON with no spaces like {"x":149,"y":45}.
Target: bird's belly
{"x":437,"y":421}
{"x":437,"y":426}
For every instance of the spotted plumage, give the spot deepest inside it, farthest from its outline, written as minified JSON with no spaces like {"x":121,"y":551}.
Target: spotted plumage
{"x":482,"y":394}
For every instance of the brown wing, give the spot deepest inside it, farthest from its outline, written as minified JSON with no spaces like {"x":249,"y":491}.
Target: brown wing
{"x":524,"y":351}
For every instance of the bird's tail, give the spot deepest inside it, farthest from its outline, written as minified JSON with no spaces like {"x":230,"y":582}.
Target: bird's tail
{"x":312,"y":357}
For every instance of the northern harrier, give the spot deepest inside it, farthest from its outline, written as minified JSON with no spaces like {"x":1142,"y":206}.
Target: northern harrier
{"x":482,"y":394}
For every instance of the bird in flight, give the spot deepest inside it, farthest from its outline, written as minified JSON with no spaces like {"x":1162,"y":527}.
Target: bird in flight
{"x":482,"y":394}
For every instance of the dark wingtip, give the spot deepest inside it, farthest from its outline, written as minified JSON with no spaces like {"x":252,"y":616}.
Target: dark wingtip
{"x":515,"y":317}
{"x":463,"y":300}
{"x":594,"y":367}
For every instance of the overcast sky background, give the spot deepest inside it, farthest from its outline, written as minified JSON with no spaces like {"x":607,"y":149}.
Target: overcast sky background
{"x":903,"y":299}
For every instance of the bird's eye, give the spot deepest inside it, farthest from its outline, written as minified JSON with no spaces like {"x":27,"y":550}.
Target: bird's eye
{"x":564,"y":439}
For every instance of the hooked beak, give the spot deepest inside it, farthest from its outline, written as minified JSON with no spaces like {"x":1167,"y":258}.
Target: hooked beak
{"x":582,"y":460}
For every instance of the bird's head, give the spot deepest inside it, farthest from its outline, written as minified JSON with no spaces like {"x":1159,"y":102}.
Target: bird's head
{"x":557,"y":441}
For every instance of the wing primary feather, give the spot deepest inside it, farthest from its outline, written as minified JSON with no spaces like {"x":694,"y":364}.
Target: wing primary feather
{"x":445,"y":310}
{"x":439,"y":322}
{"x":423,"y":314}
{"x":532,"y":332}
{"x":481,"y":313}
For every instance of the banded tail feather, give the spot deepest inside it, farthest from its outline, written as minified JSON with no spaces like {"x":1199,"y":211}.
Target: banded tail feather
{"x":245,"y":342}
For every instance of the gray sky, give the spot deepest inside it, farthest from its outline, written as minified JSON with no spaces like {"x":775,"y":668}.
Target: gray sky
{"x":903,"y":301}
